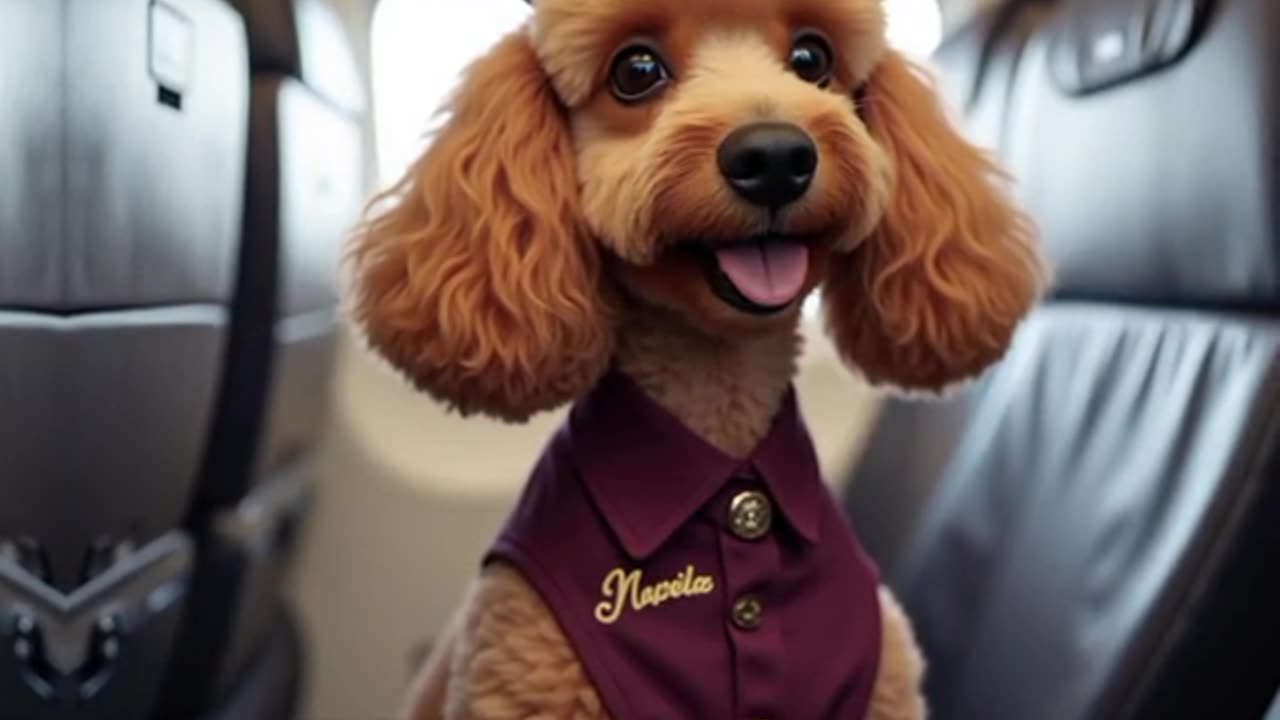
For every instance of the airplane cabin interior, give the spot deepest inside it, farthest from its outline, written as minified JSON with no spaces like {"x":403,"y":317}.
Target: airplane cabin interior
{"x":217,"y":503}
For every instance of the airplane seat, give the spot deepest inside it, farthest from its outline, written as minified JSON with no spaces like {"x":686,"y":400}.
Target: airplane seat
{"x":303,"y":190}
{"x":1099,"y":541}
{"x":121,"y":153}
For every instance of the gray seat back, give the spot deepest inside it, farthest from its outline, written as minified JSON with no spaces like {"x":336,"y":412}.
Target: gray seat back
{"x":116,"y":269}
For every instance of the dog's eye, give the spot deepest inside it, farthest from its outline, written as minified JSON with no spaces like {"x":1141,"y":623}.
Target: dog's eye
{"x":638,"y":73}
{"x":811,"y":59}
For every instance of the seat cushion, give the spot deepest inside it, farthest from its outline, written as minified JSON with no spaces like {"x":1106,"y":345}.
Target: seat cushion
{"x":1103,"y":528}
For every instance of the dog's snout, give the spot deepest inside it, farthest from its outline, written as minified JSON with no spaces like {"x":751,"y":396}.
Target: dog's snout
{"x":769,"y":164}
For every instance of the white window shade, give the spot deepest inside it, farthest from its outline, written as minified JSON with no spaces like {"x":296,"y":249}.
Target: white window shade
{"x":915,"y":26}
{"x":421,"y":46}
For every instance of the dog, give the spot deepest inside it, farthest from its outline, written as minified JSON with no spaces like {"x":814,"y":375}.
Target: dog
{"x":624,"y":211}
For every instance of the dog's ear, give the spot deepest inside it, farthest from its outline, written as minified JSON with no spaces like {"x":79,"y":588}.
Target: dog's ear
{"x":933,"y":296}
{"x":473,"y":275}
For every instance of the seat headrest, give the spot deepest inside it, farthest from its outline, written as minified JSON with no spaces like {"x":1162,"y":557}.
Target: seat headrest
{"x":1145,"y":138}
{"x":1100,"y":43}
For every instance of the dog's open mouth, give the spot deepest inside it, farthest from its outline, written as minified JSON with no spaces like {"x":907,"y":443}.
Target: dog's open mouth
{"x":760,"y":276}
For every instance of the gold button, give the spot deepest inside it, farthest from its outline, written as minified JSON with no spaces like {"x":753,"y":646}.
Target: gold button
{"x":750,"y":515}
{"x":748,"y":612}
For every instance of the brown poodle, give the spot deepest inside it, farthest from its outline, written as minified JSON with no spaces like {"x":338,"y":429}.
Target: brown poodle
{"x":628,"y":204}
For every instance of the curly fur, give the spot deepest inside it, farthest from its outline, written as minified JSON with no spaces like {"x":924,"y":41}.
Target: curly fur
{"x":545,"y":234}
{"x":896,"y":695}
{"x":934,"y":295}
{"x":513,"y":662}
{"x":728,"y":392}
{"x":479,"y":281}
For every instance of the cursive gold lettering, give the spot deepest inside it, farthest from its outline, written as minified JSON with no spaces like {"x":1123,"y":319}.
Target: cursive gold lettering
{"x":624,"y":589}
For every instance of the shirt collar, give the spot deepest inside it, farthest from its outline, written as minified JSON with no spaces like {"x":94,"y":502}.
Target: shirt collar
{"x":649,"y":474}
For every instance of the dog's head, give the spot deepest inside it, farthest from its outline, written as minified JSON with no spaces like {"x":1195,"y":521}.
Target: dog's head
{"x":718,"y":159}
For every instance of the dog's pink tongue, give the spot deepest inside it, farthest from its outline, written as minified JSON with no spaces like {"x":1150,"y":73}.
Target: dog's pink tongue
{"x":769,"y":274}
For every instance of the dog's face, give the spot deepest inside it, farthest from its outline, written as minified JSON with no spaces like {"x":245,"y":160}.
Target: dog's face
{"x":716,"y":158}
{"x":719,"y":148}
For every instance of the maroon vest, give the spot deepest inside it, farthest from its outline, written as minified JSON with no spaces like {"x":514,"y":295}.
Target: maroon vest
{"x":693,"y":585}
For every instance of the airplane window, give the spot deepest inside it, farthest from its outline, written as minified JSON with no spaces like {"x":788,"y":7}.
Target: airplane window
{"x":420,"y":47}
{"x":915,"y":26}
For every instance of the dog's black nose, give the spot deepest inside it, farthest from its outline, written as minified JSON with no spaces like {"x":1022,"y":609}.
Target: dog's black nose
{"x":769,"y":164}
